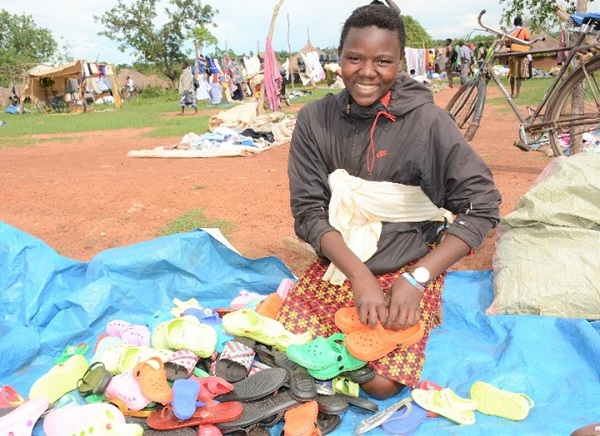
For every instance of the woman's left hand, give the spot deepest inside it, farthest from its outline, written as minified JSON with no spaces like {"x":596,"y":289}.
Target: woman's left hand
{"x":403,"y":302}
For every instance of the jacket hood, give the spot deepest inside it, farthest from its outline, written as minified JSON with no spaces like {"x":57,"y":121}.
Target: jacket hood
{"x":407,"y":94}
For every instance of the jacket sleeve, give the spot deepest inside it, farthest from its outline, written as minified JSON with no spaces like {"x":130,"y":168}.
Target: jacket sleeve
{"x":309,"y":188}
{"x":460,"y":181}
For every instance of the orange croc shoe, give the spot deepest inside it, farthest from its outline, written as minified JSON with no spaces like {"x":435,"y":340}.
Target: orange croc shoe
{"x":302,"y":420}
{"x":346,"y":319}
{"x":270,"y":306}
{"x":152,"y":377}
{"x":373,"y":344}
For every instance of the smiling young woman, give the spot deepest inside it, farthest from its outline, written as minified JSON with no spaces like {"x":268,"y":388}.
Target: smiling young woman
{"x":377,"y":173}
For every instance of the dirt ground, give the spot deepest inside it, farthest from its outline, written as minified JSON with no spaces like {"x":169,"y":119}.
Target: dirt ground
{"x":84,"y":195}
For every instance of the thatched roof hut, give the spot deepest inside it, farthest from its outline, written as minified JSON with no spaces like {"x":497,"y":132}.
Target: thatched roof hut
{"x":306,"y":49}
{"x":544,"y":61}
{"x":141,"y":81}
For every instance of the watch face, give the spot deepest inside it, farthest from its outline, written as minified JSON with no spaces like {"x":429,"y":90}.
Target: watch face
{"x":421,"y":274}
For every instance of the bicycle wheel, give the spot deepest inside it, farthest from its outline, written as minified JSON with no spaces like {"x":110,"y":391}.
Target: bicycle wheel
{"x":466,"y":106}
{"x":574,"y":109}
{"x":125,"y":95}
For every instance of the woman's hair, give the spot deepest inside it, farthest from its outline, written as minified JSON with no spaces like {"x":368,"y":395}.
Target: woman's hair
{"x":375,"y":14}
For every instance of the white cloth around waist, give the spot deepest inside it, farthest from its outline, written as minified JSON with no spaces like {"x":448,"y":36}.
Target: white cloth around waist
{"x":358,"y":207}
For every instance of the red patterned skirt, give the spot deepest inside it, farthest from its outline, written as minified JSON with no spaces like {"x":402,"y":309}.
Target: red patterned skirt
{"x":312,"y":302}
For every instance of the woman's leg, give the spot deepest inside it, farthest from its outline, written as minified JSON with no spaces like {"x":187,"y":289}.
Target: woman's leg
{"x":382,"y":388}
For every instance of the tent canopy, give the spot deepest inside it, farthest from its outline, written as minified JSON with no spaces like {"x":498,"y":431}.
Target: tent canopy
{"x":33,"y":85}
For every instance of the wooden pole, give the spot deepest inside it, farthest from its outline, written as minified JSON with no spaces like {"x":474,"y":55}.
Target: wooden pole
{"x":261,"y":99}
{"x":577,"y":103}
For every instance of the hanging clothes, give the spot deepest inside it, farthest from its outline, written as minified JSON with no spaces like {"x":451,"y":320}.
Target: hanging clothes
{"x":272,"y":78}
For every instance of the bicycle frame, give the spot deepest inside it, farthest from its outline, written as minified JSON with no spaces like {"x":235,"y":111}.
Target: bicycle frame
{"x":534,"y":122}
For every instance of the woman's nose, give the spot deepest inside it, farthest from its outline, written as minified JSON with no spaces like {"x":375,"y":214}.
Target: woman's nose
{"x":368,"y":69}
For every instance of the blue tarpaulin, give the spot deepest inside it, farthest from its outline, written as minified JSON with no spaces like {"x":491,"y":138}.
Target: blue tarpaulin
{"x":48,"y":301}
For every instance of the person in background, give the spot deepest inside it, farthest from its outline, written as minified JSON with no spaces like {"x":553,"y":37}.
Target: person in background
{"x":466,"y":58}
{"x":129,"y":84}
{"x":480,"y":54}
{"x":186,"y":89}
{"x":451,"y":57}
{"x":529,"y":66}
{"x":353,"y":156}
{"x":518,"y":65}
{"x":430,"y":64}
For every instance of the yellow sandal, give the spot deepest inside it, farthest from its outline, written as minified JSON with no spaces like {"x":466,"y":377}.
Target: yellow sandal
{"x":493,"y":401}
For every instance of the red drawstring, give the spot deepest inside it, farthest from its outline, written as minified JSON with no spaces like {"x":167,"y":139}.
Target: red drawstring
{"x":371,"y":149}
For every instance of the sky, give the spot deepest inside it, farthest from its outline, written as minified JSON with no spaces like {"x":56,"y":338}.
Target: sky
{"x":243,"y":24}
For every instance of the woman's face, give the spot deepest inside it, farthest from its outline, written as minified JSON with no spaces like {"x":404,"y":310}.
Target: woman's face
{"x":370,"y":59}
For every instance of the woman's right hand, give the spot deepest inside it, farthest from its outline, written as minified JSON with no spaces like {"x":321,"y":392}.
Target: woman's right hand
{"x":369,"y":299}
{"x":368,"y":295}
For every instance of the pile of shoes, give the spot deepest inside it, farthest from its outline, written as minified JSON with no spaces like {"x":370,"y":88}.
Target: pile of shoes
{"x":194,"y":368}
{"x":232,"y":370}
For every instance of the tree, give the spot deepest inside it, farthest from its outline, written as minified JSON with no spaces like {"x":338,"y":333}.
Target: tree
{"x":541,"y":12}
{"x":132,"y":25}
{"x":416,"y":35}
{"x":22,"y":43}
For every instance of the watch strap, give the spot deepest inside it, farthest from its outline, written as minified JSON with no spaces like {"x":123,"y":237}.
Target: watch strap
{"x":408,"y":276}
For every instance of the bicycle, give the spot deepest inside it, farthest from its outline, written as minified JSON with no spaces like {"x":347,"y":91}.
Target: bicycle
{"x":558,"y":118}
{"x":127,"y":94}
{"x":54,"y":104}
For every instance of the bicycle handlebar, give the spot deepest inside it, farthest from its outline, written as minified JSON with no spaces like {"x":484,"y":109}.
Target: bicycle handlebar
{"x":505,"y":34}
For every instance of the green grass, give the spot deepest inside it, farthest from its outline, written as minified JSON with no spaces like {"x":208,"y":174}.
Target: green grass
{"x":195,"y":219}
{"x":154,"y":112}
{"x":532,"y":92}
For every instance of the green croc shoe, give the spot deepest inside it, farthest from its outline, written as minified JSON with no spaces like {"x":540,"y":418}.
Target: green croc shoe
{"x":341,"y":360}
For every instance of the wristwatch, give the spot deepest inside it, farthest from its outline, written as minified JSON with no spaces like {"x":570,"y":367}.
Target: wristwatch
{"x":422,"y":275}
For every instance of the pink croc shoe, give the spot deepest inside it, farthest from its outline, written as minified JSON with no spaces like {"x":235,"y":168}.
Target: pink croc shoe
{"x":89,"y":419}
{"x":125,"y":387}
{"x":132,"y":334}
{"x":284,"y":288}
{"x":209,"y":430}
{"x":20,"y":422}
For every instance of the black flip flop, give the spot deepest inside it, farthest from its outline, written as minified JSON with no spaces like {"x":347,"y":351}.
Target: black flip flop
{"x":256,"y":386}
{"x":363,"y":403}
{"x":332,"y":404}
{"x":259,"y":410}
{"x":328,"y":423}
{"x":265,"y":354}
{"x":302,"y":385}
{"x":94,"y":380}
{"x":361,"y":375}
